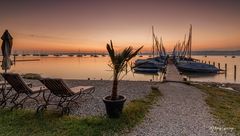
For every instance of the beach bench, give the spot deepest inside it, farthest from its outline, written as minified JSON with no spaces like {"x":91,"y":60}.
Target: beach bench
{"x":23,"y":91}
{"x":65,"y":94}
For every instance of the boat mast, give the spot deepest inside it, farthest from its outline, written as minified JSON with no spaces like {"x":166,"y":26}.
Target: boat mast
{"x":153,"y":37}
{"x":160,"y":46}
{"x":184,"y":47}
{"x":190,"y":42}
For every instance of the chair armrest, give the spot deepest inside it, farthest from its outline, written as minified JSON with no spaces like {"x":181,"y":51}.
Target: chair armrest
{"x":29,"y":84}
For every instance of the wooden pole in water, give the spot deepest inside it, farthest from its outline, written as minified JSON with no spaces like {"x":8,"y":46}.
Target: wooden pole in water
{"x":213,"y":63}
{"x":14,"y":59}
{"x":225,"y":70}
{"x":235,"y":72}
{"x":219,"y":65}
{"x":208,"y":62}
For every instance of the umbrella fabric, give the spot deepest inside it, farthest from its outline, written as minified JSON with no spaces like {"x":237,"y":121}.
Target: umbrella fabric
{"x":6,"y":50}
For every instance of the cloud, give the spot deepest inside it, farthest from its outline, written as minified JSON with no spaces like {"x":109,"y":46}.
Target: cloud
{"x":41,"y":36}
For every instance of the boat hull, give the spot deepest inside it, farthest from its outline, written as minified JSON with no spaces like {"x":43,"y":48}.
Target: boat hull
{"x":197,"y":67}
{"x":146,"y":70}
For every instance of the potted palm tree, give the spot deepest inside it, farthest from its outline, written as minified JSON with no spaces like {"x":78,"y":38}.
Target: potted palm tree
{"x":119,"y":63}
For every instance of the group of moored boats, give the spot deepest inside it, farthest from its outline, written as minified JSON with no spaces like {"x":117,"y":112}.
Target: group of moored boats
{"x":151,"y":65}
{"x":157,"y":62}
{"x":184,"y":61}
{"x":181,"y":56}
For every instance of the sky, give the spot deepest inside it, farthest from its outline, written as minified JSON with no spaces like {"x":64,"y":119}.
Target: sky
{"x":78,"y":25}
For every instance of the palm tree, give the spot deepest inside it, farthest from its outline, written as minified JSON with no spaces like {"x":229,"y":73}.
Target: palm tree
{"x":119,"y":63}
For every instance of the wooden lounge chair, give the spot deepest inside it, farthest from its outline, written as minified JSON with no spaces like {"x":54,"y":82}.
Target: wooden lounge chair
{"x":22,"y":88}
{"x":67,"y":95}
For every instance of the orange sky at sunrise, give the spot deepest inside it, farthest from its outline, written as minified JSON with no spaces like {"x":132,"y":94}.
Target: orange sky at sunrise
{"x":59,"y":25}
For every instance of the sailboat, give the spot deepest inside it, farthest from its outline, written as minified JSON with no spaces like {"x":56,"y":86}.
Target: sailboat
{"x":184,"y":61}
{"x":153,"y":64}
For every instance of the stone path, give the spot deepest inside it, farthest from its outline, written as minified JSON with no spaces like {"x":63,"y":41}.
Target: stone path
{"x":181,"y":111}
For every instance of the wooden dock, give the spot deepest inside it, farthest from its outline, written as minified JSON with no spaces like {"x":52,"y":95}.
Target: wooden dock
{"x":172,"y":73}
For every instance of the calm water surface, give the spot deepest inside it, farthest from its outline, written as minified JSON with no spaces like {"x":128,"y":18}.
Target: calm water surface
{"x":97,"y":68}
{"x":227,"y":77}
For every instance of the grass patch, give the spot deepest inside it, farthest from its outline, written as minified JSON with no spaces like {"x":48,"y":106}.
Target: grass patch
{"x":225,"y":105}
{"x":25,"y":122}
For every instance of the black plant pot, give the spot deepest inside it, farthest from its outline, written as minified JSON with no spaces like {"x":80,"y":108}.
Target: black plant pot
{"x":114,"y":107}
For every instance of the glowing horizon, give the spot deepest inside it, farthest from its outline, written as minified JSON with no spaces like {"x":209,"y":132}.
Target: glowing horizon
{"x":87,"y":26}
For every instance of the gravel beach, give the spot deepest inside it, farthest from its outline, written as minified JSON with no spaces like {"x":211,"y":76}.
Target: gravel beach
{"x":95,"y":106}
{"x":181,"y":111}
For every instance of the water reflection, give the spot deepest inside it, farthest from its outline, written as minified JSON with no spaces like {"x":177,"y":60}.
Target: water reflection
{"x":97,"y":68}
{"x":225,"y":63}
{"x":86,"y":67}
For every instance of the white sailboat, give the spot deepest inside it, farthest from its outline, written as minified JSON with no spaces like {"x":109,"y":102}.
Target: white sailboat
{"x":154,"y":64}
{"x":185,"y":62}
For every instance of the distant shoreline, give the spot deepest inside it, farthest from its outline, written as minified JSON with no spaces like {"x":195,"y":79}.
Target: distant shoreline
{"x":204,"y":53}
{"x":217,"y":53}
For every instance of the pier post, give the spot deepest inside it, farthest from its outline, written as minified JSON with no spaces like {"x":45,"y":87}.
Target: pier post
{"x":219,"y":65}
{"x":235,"y":72}
{"x":14,"y":59}
{"x":209,"y":62}
{"x":213,"y":63}
{"x":225,"y":70}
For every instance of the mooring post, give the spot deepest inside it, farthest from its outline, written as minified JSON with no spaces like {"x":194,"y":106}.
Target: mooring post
{"x":235,"y":72}
{"x":219,"y":65}
{"x":209,"y":62}
{"x":226,"y":67}
{"x":213,"y":63}
{"x":14,"y":59}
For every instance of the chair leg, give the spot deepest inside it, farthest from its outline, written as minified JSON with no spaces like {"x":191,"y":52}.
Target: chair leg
{"x":14,"y":99}
{"x":72,"y":100}
{"x":43,"y":107}
{"x":23,"y":100}
{"x":5,"y":97}
{"x":3,"y":104}
{"x":65,"y":110}
{"x":34,"y":98}
{"x":17,"y":106}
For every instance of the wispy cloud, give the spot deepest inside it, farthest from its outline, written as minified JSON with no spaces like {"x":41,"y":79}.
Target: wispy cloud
{"x":42,"y":36}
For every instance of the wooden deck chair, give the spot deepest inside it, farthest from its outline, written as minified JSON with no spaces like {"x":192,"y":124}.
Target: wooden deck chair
{"x":23,"y":91}
{"x":67,"y":95}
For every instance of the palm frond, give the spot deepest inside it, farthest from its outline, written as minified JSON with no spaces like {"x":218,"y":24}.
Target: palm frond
{"x":111,"y":51}
{"x":134,"y":53}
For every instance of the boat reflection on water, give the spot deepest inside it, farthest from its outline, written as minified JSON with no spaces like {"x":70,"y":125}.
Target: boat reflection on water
{"x":199,"y":75}
{"x":191,"y":75}
{"x":147,"y":73}
{"x":154,"y":76}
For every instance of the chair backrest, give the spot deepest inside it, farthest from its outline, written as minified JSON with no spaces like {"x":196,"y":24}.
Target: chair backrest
{"x":16,"y":81}
{"x":57,"y":86}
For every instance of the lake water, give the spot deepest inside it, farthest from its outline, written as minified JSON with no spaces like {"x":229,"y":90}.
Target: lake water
{"x":227,"y":77}
{"x":85,"y":67}
{"x":97,"y":68}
